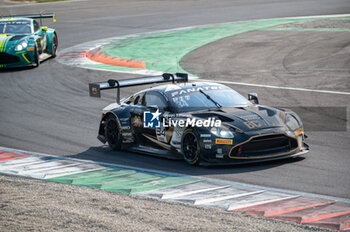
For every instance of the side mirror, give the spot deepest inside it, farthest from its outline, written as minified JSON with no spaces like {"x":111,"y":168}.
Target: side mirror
{"x":44,"y":28}
{"x":253,"y":97}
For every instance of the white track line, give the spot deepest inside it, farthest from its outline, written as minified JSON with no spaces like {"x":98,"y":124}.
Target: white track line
{"x":212,"y":200}
{"x":46,"y":169}
{"x":71,"y":172}
{"x":242,"y":206}
{"x":177,"y":195}
{"x":278,"y":87}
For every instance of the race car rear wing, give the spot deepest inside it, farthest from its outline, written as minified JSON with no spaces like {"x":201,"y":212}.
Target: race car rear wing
{"x":96,"y":87}
{"x":33,"y":16}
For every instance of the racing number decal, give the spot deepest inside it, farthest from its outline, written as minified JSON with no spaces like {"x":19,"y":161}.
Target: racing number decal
{"x":160,"y":132}
{"x":164,"y":134}
{"x":253,"y":124}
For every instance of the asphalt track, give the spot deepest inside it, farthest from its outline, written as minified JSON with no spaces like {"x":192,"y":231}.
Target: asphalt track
{"x":48,"y":109}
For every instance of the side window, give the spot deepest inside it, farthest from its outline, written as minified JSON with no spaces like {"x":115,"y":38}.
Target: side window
{"x":36,"y":26}
{"x":154,"y":99}
{"x":138,"y":99}
{"x":130,"y":100}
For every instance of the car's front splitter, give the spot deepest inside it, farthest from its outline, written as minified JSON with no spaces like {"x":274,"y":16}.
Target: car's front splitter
{"x":210,"y":159}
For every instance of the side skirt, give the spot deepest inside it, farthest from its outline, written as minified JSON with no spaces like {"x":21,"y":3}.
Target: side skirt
{"x":155,"y":152}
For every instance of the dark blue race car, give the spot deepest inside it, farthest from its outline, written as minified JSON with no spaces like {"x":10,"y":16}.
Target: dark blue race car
{"x":201,"y":122}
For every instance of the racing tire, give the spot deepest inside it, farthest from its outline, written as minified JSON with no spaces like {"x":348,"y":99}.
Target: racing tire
{"x":36,"y":57}
{"x":113,"y":133}
{"x":190,"y":147}
{"x":54,"y":45}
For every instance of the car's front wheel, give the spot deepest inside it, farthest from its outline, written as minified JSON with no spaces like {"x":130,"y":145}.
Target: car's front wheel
{"x":191,"y":147}
{"x":36,"y":57}
{"x":112,"y":133}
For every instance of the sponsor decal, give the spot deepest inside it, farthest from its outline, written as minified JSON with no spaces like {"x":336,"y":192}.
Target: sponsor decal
{"x":253,"y":124}
{"x":220,"y":156}
{"x":30,"y":48}
{"x":207,"y":146}
{"x":298,"y":132}
{"x":205,"y":135}
{"x":195,"y":89}
{"x":224,"y":141}
{"x":124,"y":120}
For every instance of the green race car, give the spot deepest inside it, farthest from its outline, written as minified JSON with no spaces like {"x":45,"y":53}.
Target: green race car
{"x":24,"y":42}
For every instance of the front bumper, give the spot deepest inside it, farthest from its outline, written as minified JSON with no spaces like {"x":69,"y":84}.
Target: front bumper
{"x":16,"y":59}
{"x":255,"y":149}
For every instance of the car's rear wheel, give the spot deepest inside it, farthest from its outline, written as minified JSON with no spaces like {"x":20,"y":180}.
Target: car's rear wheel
{"x":112,"y":132}
{"x":191,"y":147}
{"x":54,"y":45}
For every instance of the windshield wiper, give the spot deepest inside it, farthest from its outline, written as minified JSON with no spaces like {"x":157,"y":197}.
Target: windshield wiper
{"x":211,"y":99}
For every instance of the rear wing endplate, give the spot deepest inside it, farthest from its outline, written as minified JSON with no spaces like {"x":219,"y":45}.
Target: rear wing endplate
{"x":96,"y":87}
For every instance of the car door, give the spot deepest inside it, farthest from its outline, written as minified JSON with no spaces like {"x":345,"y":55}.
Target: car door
{"x":155,"y":106}
{"x":41,"y":36}
{"x":136,"y":117}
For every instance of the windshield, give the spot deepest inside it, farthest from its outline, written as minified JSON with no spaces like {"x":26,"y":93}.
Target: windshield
{"x":15,"y":27}
{"x":192,"y":101}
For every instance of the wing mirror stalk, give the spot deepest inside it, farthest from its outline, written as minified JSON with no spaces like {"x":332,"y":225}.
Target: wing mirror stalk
{"x":253,"y":98}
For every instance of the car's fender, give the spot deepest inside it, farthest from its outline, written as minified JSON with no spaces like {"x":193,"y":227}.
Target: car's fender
{"x":49,"y":36}
{"x":122,"y":115}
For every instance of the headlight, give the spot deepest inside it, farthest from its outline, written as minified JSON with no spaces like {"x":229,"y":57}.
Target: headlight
{"x":21,"y":46}
{"x":221,"y":132}
{"x":292,"y":122}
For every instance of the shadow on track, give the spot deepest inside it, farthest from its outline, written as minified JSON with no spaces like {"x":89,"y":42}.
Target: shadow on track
{"x":17,"y":69}
{"x":24,"y":68}
{"x":104,"y":154}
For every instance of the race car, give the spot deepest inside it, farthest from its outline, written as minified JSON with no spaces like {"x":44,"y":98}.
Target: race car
{"x":24,"y":42}
{"x":204,"y":123}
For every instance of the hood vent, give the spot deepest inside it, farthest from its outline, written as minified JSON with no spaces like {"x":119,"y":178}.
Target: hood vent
{"x":17,"y":37}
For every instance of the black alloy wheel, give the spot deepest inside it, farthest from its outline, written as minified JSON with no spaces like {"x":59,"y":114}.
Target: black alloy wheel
{"x":112,"y":132}
{"x":190,"y":147}
{"x":54,"y":45}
